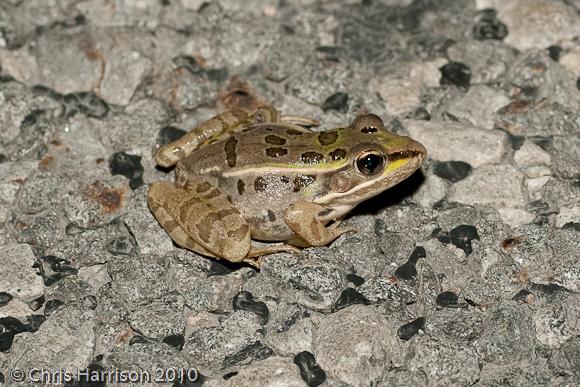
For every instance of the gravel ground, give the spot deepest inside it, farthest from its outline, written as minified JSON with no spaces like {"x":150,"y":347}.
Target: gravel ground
{"x":468,"y":273}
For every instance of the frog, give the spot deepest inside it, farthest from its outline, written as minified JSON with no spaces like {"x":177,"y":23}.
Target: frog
{"x":247,"y":176}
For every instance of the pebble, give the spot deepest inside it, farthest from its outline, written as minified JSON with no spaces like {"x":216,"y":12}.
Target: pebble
{"x":66,"y":338}
{"x":410,"y":329}
{"x":488,"y":60}
{"x":538,"y":23}
{"x":457,"y":74}
{"x":21,"y":278}
{"x":129,"y":166}
{"x":462,"y":236}
{"x":401,"y":95}
{"x":490,"y":185}
{"x":489,"y":26}
{"x":337,"y":101}
{"x":445,"y":363}
{"x":453,"y":141}
{"x":245,"y":301}
{"x":352,"y":344}
{"x":531,"y":154}
{"x":125,"y":70}
{"x":478,"y":106}
{"x":348,"y":297}
{"x":159,"y":318}
{"x":447,"y":300}
{"x":512,"y":337}
{"x":273,"y":371}
{"x":430,"y":192}
{"x":453,"y":171}
{"x":310,"y":371}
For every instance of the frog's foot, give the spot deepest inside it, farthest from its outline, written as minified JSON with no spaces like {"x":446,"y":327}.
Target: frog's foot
{"x":199,"y":217}
{"x":302,"y":218}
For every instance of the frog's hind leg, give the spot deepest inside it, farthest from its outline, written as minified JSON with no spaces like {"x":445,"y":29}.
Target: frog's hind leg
{"x":201,"y":212}
{"x":303,"y":122}
{"x":168,"y":155}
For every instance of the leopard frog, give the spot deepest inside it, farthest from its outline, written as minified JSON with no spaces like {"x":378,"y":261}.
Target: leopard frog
{"x":260,"y":175}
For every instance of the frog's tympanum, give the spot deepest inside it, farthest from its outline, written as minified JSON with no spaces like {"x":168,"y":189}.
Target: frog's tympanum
{"x":261,"y":175}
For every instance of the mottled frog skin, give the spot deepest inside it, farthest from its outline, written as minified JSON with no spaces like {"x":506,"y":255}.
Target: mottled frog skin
{"x":259,"y":175}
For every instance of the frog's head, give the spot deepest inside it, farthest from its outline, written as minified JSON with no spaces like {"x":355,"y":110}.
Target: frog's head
{"x":375,"y":160}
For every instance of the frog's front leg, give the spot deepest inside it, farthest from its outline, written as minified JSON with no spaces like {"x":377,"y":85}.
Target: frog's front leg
{"x":199,"y":217}
{"x":303,"y":220}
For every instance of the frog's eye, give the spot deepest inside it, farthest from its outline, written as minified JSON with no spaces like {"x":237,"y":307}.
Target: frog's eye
{"x":370,"y":163}
{"x":369,"y":123}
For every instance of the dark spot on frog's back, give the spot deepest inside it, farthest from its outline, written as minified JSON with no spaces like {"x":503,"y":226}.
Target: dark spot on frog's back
{"x":311,"y":157}
{"x":260,"y":184}
{"x":271,"y":216}
{"x":241,"y":186}
{"x":338,"y":154}
{"x":327,"y":138}
{"x":301,"y":181}
{"x":230,"y":149}
{"x":294,"y":132}
{"x":276,"y":152}
{"x":274,"y":140}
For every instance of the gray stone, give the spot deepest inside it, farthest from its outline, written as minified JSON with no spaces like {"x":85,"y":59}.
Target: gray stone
{"x":517,"y":374}
{"x":188,"y":275}
{"x":531,"y":154}
{"x":538,"y":23}
{"x":24,"y":281}
{"x":97,"y":201}
{"x":455,"y":141}
{"x":433,"y":190}
{"x":289,"y":330}
{"x":314,"y":280}
{"x":353,"y":344}
{"x":566,"y":360}
{"x":69,"y":289}
{"x":42,"y":231}
{"x":546,"y":80}
{"x":41,"y":191}
{"x":149,"y":235}
{"x":488,"y":60}
{"x":508,"y":335}
{"x":150,"y":360}
{"x":556,"y":322}
{"x":405,"y":378}
{"x":458,"y":325}
{"x":66,"y":338}
{"x":490,"y":185}
{"x":144,"y":13}
{"x":548,"y":256}
{"x":124,"y":72}
{"x":387,"y":289}
{"x":16,"y":103}
{"x":444,"y":362}
{"x":363,"y":252}
{"x":478,"y":106}
{"x":274,"y":371}
{"x":93,"y":246}
{"x":231,"y":342}
{"x":138,"y":278}
{"x":157,"y":318}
